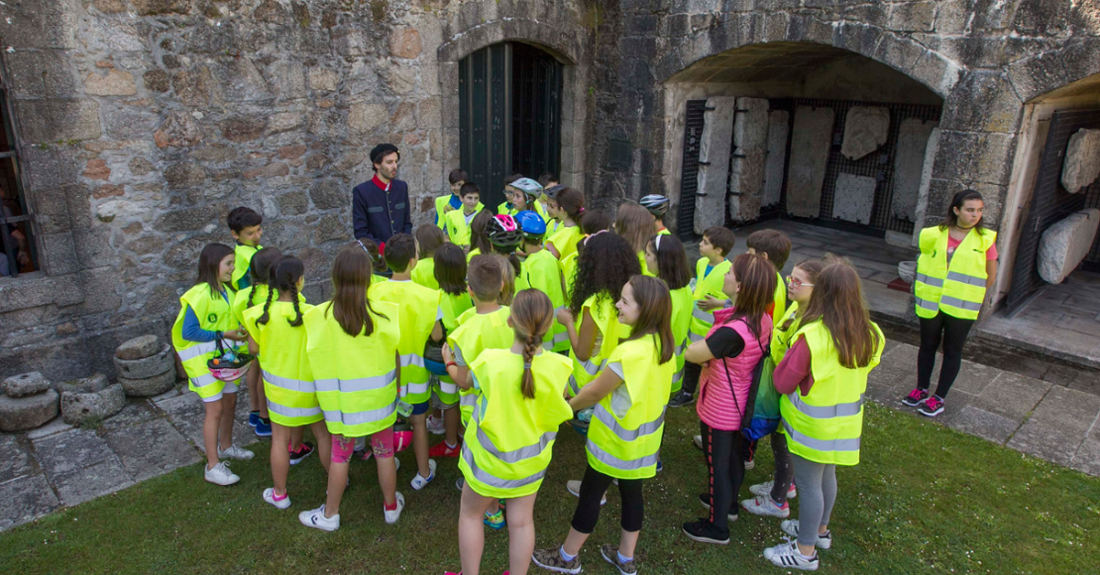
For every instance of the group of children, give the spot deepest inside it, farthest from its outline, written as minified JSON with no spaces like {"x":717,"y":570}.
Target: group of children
{"x":491,"y":329}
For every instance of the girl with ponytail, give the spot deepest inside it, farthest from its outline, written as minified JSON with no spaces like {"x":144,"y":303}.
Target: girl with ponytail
{"x":277,"y":336}
{"x":521,"y":408}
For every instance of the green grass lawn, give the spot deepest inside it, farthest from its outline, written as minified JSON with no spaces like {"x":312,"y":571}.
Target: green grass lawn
{"x":925,"y":500}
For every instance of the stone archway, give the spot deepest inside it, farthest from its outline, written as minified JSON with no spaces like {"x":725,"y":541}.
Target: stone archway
{"x":564,"y":40}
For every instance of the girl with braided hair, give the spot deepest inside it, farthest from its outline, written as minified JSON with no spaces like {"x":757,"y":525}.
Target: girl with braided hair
{"x":521,"y":408}
{"x":277,"y":336}
{"x":258,"y":269}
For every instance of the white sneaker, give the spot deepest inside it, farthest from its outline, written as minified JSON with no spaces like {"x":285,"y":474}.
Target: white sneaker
{"x":418,"y":482}
{"x":574,"y":487}
{"x":235,"y":452}
{"x":749,"y":465}
{"x":698,"y":441}
{"x":393,"y":516}
{"x":316,"y":519}
{"x":765,"y":506}
{"x":766,"y":489}
{"x":786,"y":555}
{"x":436,"y":426}
{"x":221,"y":475}
{"x":269,"y":496}
{"x":790,"y":527}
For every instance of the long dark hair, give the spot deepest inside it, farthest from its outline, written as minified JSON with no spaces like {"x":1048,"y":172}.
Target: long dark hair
{"x":603,"y":268}
{"x":210,"y":259}
{"x":532,"y":316}
{"x":260,"y":269}
{"x":672,"y":263}
{"x":450,"y":269}
{"x":757,"y":278}
{"x":351,"y":275}
{"x":284,"y":277}
{"x":571,"y":201}
{"x":958,"y":201}
{"x":479,"y":239}
{"x":838,"y":302}
{"x":655,"y":313}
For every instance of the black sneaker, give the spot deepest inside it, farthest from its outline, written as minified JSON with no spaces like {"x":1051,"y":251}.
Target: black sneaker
{"x":704,"y":531}
{"x":704,"y":498}
{"x":303,"y":452}
{"x":681,"y":399}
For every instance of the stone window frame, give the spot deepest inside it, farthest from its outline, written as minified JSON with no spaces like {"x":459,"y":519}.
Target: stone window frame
{"x":9,"y":124}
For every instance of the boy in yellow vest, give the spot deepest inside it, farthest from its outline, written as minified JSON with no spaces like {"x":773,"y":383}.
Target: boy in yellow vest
{"x":419,"y":316}
{"x":541,"y":271}
{"x":776,"y":247}
{"x":485,"y":326}
{"x":245,"y":227}
{"x":456,"y":223}
{"x":453,"y":200}
{"x":707,"y":291}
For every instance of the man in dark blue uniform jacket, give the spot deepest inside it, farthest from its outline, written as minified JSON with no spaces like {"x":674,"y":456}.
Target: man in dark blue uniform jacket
{"x":380,"y":206}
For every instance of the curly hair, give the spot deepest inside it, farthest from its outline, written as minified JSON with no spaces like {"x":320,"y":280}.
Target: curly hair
{"x":603,"y":268}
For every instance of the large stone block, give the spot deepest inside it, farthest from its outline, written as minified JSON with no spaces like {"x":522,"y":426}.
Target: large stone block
{"x":750,"y":136}
{"x":913,"y":137}
{"x":1082,"y":163}
{"x":179,"y":129}
{"x":714,"y":158}
{"x":25,"y":384}
{"x":854,"y":198}
{"x":1066,"y":243}
{"x":47,"y":121}
{"x":865,"y":130}
{"x":925,"y":184}
{"x":810,"y":142}
{"x":149,"y":386}
{"x":80,"y":408}
{"x":778,"y":130}
{"x":139,"y":347}
{"x":114,"y":83}
{"x":20,"y":414}
{"x":146,"y":367}
{"x":97,"y":382}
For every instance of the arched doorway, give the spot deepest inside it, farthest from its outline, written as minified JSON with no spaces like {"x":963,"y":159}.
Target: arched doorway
{"x":510,"y":102}
{"x":799,"y":130}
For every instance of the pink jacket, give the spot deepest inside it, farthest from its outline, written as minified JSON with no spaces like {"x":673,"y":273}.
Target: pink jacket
{"x":716,"y":407}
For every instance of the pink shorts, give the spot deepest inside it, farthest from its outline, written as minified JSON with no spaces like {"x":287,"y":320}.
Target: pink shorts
{"x":381,"y":444}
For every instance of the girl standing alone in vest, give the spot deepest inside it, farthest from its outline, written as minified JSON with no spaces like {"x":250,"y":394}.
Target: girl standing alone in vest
{"x":823,"y":378}
{"x":957,"y":265}
{"x":630,"y":398}
{"x":276,"y":334}
{"x":729,"y":353}
{"x":352,"y":348}
{"x":206,"y":318}
{"x":771,"y":496}
{"x":511,"y":434}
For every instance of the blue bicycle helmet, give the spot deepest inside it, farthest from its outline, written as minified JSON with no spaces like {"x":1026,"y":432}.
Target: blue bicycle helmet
{"x":531,"y":223}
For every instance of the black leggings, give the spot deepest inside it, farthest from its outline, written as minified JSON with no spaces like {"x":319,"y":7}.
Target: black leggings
{"x":593,"y":486}
{"x":726,"y":470}
{"x":952,"y":331}
{"x":692,"y":371}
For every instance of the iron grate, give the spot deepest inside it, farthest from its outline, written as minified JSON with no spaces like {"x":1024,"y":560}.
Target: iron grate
{"x":689,"y":175}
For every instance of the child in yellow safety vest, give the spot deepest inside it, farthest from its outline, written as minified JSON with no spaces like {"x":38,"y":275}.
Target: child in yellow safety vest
{"x":450,"y":273}
{"x":706,"y":289}
{"x":446,"y":203}
{"x":206,"y":318}
{"x":428,"y":240}
{"x":479,"y":235}
{"x":595,"y":221}
{"x":245,"y":227}
{"x":276,"y":333}
{"x":419,"y":315}
{"x":352,"y":346}
{"x":630,"y":398}
{"x":512,"y":431}
{"x":256,"y":294}
{"x":457,"y":223}
{"x":666,"y":258}
{"x":485,"y":326}
{"x":567,"y":205}
{"x":540,"y":270}
{"x":635,"y":224}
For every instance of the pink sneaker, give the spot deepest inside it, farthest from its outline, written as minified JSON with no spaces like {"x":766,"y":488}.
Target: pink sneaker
{"x":915,"y":397}
{"x":932,"y":407}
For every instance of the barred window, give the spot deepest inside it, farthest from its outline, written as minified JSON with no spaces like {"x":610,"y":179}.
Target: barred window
{"x":18,"y":253}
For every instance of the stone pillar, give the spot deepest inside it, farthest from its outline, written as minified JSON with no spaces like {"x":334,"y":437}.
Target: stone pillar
{"x":750,"y":139}
{"x":813,"y":135}
{"x":925,"y":184}
{"x":714,"y":158}
{"x":778,"y":128}
{"x":908,"y":166}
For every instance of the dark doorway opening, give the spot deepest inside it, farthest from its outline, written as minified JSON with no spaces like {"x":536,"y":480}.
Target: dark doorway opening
{"x":509,"y":115}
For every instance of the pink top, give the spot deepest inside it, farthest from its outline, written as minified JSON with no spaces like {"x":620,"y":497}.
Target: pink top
{"x":952,"y":243}
{"x":717,"y":407}
{"x":794,"y":371}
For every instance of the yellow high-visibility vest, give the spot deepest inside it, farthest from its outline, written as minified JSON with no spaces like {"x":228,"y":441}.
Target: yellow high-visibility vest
{"x":456,"y":226}
{"x":242,"y":258}
{"x":418,"y":311}
{"x":603,"y":312}
{"x":288,"y":379}
{"x":625,"y":434}
{"x":565,"y":240}
{"x":780,"y":297}
{"x":682,"y":305}
{"x":355,"y":377}
{"x":261,"y":291}
{"x":541,"y":271}
{"x":214,"y":314}
{"x":706,"y":284}
{"x":569,"y":273}
{"x":782,"y":339}
{"x":477,"y":332}
{"x":825,"y":426}
{"x":510,"y":438}
{"x":424,"y":273}
{"x":958,"y":288}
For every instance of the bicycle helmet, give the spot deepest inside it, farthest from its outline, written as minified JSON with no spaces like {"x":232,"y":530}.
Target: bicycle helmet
{"x":531,"y":224}
{"x":529,"y":187}
{"x":503,"y":231}
{"x":552,"y":191}
{"x":656,"y":204}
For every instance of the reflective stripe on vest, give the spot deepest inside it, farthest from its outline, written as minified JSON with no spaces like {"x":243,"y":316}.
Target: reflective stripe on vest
{"x":624,"y":434}
{"x":703,"y":316}
{"x":449,"y":388}
{"x":199,"y":349}
{"x":573,"y":385}
{"x":928,"y":305}
{"x":360,"y":417}
{"x":412,"y":359}
{"x":353,"y":385}
{"x":203,"y":380}
{"x":825,"y":411}
{"x":612,"y":461}
{"x":591,"y":368}
{"x":415,"y":388}
{"x":515,"y":455}
{"x":292,"y":411}
{"x":493,"y":481}
{"x":821,"y":444}
{"x":468,"y":399}
{"x":956,"y":302}
{"x":288,"y":383}
{"x":963,"y":278}
{"x":934,"y":282}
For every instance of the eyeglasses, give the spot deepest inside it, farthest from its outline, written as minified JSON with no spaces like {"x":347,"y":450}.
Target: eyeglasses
{"x":796,"y":283}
